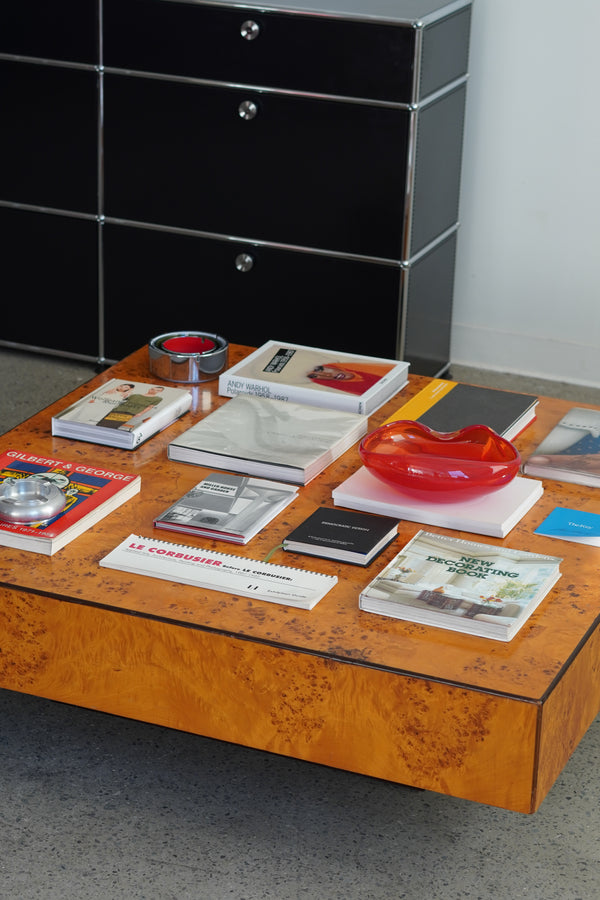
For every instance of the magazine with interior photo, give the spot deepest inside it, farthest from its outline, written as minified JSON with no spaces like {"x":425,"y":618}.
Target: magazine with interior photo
{"x":461,"y":585}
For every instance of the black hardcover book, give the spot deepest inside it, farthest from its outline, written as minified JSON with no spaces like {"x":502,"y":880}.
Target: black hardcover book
{"x":449,"y":406}
{"x":343,"y":534}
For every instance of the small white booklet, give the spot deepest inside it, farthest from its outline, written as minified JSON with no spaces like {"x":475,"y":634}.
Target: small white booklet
{"x":219,"y":571}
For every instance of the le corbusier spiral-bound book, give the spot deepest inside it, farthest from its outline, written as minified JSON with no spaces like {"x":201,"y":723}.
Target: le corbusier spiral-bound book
{"x":219,"y":571}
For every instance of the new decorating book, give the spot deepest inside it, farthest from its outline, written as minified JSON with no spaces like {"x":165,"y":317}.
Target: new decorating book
{"x":447,"y":406}
{"x":494,"y":513}
{"x":462,"y":586}
{"x":274,"y":439}
{"x":122,"y":413}
{"x":90,"y":493}
{"x":344,"y":381}
{"x":571,"y":451}
{"x":344,"y":535}
{"x":227,"y":507}
{"x":219,"y":572}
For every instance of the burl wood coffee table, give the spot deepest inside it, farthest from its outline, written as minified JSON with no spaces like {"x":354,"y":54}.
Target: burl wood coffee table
{"x":447,"y":712}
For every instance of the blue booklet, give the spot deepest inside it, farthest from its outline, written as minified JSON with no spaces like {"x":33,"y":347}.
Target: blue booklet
{"x":572,"y":525}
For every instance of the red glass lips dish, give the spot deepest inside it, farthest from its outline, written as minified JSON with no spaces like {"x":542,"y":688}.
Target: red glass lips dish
{"x":439,"y":466}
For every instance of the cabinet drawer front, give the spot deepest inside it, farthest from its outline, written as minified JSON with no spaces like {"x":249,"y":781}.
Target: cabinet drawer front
{"x":50,"y":281}
{"x":310,"y":173}
{"x":255,"y":47}
{"x":65,"y":30}
{"x":50,"y":114}
{"x":156,"y":282}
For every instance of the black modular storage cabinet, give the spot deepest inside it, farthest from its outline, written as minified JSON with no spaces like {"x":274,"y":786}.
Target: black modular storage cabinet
{"x":287,"y":172}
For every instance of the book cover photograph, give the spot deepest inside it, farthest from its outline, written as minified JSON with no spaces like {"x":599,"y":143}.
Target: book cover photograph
{"x":462,"y":585}
{"x":274,"y":439}
{"x":219,"y":571}
{"x":571,"y":451}
{"x":449,"y":406}
{"x":228,"y":507}
{"x":122,"y":413}
{"x":494,"y":513}
{"x":46,"y":503}
{"x":318,"y":377}
{"x":342,"y":534}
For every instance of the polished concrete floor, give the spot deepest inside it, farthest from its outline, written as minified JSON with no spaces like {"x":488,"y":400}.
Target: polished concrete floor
{"x":94,"y":806}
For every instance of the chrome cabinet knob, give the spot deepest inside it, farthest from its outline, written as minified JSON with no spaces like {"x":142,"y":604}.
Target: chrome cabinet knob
{"x":244,"y":262}
{"x":247,"y":110}
{"x":249,"y":30}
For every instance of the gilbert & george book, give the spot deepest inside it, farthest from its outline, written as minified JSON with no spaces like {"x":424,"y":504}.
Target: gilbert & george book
{"x":122,"y":413}
{"x":448,"y":406}
{"x":89,"y":492}
{"x":266,"y":438}
{"x":479,"y":589}
{"x":227,"y":507}
{"x":326,"y":378}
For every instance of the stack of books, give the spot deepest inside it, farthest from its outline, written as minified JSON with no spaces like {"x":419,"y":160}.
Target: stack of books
{"x":493,"y":513}
{"x":293,"y":411}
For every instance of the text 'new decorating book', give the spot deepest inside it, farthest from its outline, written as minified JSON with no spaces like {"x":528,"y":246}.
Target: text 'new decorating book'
{"x":274,"y":439}
{"x":344,"y":381}
{"x":447,"y":406}
{"x":122,"y":413}
{"x":571,"y":451}
{"x":86,"y":494}
{"x":227,"y":507}
{"x":494,"y":513}
{"x":219,"y":572}
{"x":460,"y":585}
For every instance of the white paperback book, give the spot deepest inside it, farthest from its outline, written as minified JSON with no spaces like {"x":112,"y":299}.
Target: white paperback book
{"x":219,"y":571}
{"x":494,"y":513}
{"x":318,"y":377}
{"x":274,"y":439}
{"x":122,"y":413}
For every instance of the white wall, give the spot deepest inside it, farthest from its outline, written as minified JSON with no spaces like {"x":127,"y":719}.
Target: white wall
{"x":527,"y":295}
